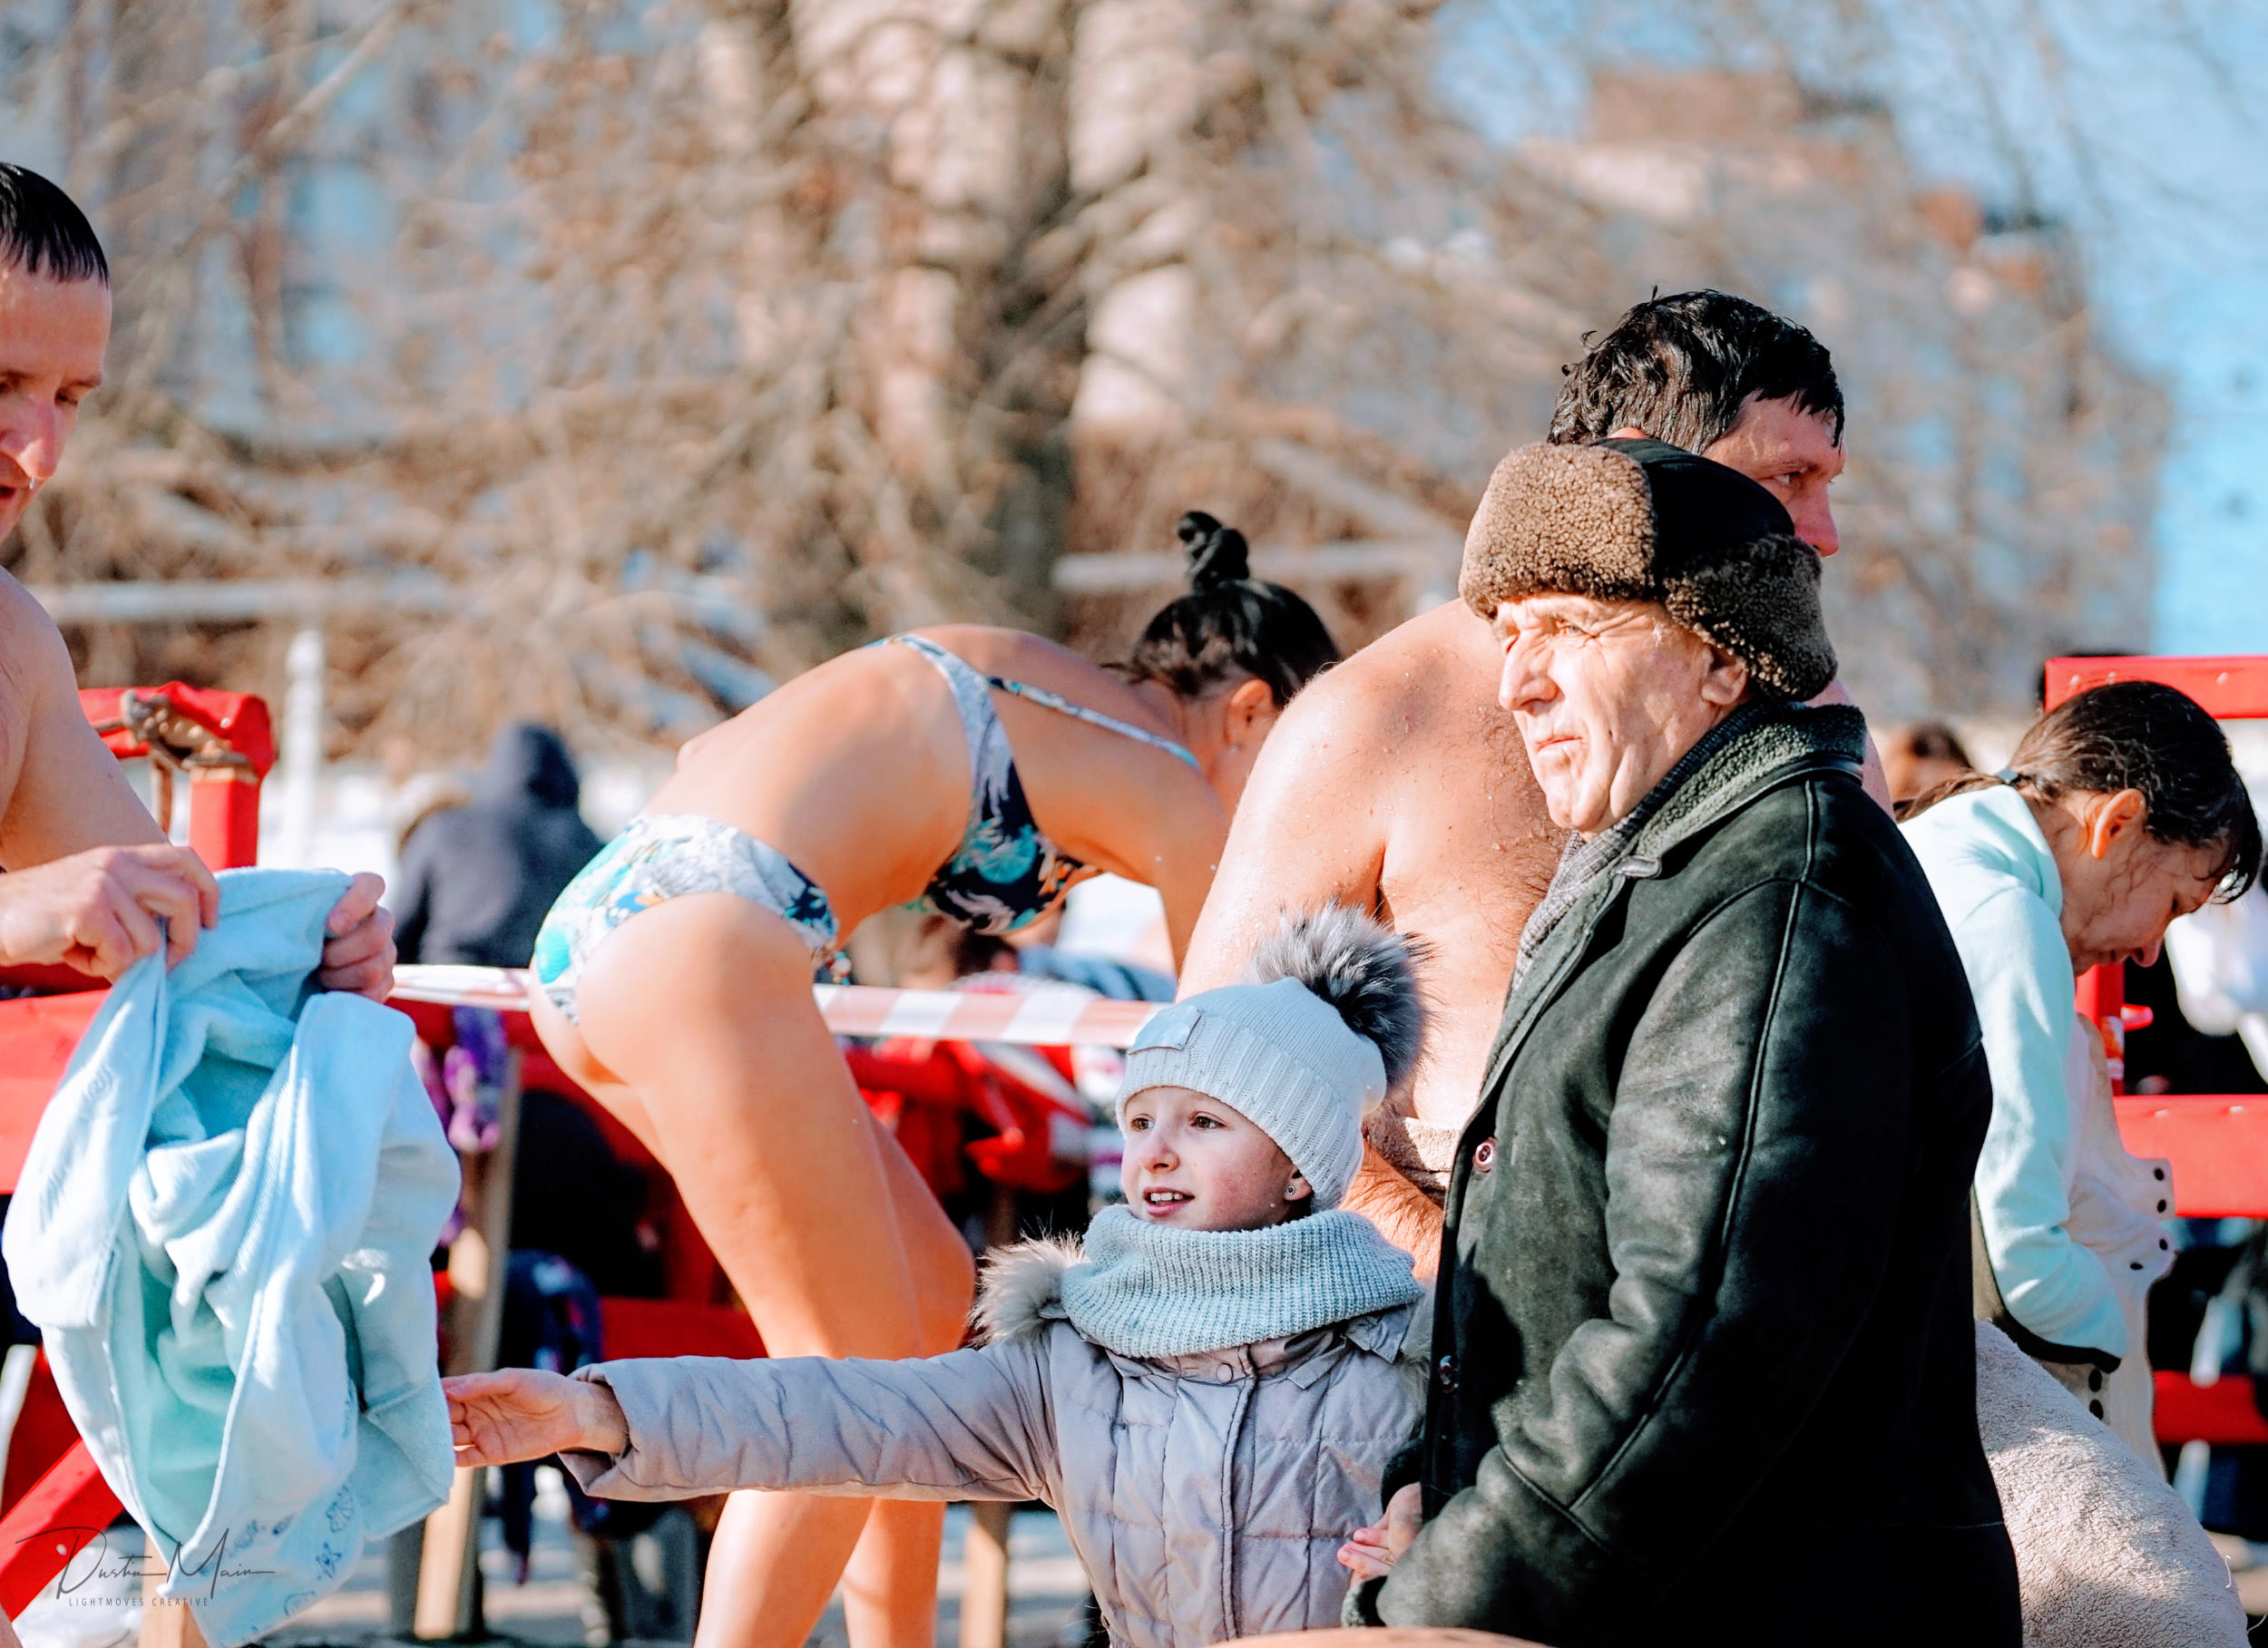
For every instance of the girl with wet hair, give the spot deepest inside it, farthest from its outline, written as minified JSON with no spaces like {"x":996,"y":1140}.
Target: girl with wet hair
{"x":2120,"y":812}
{"x":979,"y":772}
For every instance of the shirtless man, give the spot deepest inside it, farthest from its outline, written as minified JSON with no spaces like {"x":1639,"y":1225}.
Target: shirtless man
{"x":1394,"y":782}
{"x":90,"y":874}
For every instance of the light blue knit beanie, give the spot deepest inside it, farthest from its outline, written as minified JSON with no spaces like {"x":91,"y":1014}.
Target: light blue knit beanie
{"x":1329,"y":1024}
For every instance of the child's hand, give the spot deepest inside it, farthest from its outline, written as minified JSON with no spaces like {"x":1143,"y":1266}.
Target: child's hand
{"x":523,"y":1413}
{"x":1372,"y":1552}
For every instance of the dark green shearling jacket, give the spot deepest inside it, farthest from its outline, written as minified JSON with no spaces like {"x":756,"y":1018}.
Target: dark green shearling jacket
{"x":1704,"y":1309}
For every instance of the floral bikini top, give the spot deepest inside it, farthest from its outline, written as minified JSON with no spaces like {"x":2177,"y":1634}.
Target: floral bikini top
{"x":1006,"y":872}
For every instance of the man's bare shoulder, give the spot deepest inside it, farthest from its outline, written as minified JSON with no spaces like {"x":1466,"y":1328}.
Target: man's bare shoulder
{"x":21,"y":615}
{"x":1418,"y":681}
{"x":31,"y":651}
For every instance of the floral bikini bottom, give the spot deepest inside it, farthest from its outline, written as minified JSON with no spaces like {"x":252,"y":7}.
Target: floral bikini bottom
{"x":665,"y":856}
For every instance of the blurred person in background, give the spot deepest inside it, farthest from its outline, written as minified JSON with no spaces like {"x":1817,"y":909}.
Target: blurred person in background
{"x":1399,"y":785}
{"x":92,"y":882}
{"x":937,"y":951}
{"x":2120,"y":812}
{"x":980,"y":771}
{"x":1917,"y":759}
{"x":477,"y":880}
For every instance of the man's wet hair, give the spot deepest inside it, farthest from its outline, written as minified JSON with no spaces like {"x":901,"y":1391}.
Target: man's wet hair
{"x":44,"y":233}
{"x":1682,"y":367}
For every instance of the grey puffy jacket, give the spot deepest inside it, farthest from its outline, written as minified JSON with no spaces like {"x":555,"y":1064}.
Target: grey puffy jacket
{"x":1206,"y":1495}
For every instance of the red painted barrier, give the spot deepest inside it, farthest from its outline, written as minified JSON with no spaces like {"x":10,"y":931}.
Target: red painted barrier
{"x":54,"y":1522}
{"x":37,"y":1035}
{"x":2218,"y":1145}
{"x":222,"y":741}
{"x":2224,"y":1413}
{"x":2230,"y":688}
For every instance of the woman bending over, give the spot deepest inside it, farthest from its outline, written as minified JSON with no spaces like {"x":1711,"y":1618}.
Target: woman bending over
{"x":2120,"y":812}
{"x":979,"y":770}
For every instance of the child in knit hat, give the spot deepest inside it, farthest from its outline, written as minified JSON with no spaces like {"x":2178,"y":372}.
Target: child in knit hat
{"x":1207,"y":1393}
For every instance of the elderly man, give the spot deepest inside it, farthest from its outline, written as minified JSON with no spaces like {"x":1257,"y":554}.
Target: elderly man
{"x":1702,"y":1336}
{"x":91,"y":876}
{"x":1394,"y":782}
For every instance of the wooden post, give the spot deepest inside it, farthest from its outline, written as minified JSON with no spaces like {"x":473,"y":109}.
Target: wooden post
{"x":984,"y":1553}
{"x":164,"y":1623}
{"x":448,"y":1569}
{"x":985,"y":1576}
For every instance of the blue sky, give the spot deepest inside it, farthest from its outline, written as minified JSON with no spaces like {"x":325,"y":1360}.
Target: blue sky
{"x":2141,"y":123}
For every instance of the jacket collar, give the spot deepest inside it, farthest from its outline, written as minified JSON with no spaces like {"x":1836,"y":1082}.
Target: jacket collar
{"x":1787,"y":743}
{"x":1021,"y":1293}
{"x":1299,"y":1356}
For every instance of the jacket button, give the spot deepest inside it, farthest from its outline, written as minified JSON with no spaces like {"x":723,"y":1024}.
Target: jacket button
{"x":1484,"y":1155}
{"x":2095,"y":1380}
{"x":1445,"y":1374}
{"x":2096,"y":1409}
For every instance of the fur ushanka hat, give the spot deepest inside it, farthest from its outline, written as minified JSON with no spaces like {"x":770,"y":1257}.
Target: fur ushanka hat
{"x":1646,"y":520}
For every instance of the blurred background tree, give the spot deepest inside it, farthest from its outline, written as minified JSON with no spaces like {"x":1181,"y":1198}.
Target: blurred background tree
{"x":602,"y":361}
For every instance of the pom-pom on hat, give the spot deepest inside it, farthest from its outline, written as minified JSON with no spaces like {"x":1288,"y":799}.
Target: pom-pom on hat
{"x":1646,"y":521}
{"x":1329,"y":1024}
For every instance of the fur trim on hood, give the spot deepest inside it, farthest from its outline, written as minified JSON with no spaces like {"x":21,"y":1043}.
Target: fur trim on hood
{"x":1020,"y":1284}
{"x":2108,"y":1556}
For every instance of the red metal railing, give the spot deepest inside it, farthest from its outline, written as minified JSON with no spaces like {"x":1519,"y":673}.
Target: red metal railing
{"x":54,"y":1498}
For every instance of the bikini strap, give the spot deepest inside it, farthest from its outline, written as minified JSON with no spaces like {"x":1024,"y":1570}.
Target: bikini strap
{"x":1093,"y":717}
{"x":1046,"y":699}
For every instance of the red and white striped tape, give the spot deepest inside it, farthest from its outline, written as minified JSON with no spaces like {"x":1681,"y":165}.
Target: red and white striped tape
{"x":1037,"y":1018}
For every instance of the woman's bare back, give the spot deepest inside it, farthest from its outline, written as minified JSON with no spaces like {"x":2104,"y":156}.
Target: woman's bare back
{"x":858,"y":771}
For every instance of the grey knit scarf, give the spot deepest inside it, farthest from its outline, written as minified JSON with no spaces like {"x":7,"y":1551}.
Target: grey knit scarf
{"x":1150,"y":1289}
{"x":1583,"y":862}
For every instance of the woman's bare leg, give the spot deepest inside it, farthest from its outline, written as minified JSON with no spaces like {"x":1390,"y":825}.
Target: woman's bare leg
{"x":702,"y":1006}
{"x":893,"y":1572}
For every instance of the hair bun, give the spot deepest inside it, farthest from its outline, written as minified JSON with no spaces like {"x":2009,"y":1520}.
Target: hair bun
{"x":1218,"y":555}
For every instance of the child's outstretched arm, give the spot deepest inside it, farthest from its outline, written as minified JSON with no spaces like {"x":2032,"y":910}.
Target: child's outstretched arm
{"x":524,"y":1413}
{"x":971,"y":1425}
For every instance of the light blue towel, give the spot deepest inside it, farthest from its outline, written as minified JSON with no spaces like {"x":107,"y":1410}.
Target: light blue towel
{"x":224,"y":1231}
